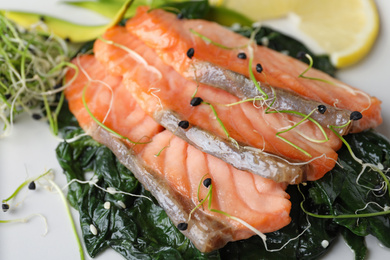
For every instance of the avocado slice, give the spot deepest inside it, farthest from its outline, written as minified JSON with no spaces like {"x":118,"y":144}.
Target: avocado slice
{"x":64,"y":29}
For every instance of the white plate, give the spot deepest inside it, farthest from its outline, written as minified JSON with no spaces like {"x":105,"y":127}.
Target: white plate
{"x":29,"y":151}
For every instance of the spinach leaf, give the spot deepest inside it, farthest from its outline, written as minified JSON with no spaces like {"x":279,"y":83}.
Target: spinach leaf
{"x":349,"y":190}
{"x":227,"y":17}
{"x":142,"y":230}
{"x":189,"y":9}
{"x":356,"y":243}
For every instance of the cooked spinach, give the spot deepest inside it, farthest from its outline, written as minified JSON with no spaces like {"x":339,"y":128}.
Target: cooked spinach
{"x":356,"y":243}
{"x":345,"y":190}
{"x":188,"y":9}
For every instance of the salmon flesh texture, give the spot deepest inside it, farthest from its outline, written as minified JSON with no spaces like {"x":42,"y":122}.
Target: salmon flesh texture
{"x":174,"y":175}
{"x":157,"y":86}
{"x":171,"y":38}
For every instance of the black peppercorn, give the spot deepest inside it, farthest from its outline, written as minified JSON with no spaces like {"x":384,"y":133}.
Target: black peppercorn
{"x":182,"y":226}
{"x":355,"y":115}
{"x":190,"y":53}
{"x":322,"y":109}
{"x":241,"y":55}
{"x":207,"y":182}
{"x":259,"y":68}
{"x":196,"y":101}
{"x":184,"y":124}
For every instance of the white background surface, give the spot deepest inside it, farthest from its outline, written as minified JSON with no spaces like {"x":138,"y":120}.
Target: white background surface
{"x":29,"y":151}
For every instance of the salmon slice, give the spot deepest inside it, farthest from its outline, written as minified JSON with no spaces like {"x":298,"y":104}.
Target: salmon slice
{"x":172,"y":38}
{"x":155,"y":89}
{"x":174,"y":175}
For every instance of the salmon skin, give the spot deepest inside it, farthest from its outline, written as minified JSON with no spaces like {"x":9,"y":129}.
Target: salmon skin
{"x":278,"y":98}
{"x":173,"y":177}
{"x":154,"y":89}
{"x":172,"y":38}
{"x":241,"y":157}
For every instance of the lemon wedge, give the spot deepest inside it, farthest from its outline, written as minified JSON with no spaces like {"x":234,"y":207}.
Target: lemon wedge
{"x":346,"y":29}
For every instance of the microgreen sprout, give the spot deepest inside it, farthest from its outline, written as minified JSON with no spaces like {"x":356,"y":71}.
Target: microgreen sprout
{"x":63,"y":198}
{"x":311,"y":63}
{"x":161,"y":150}
{"x":26,"y":219}
{"x":251,"y":56}
{"x":168,"y":145}
{"x":244,"y":101}
{"x":26,"y":182}
{"x":305,"y":117}
{"x":31,"y":65}
{"x":221,"y":123}
{"x":109,"y":190}
{"x":385,"y":211}
{"x":252,"y":76}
